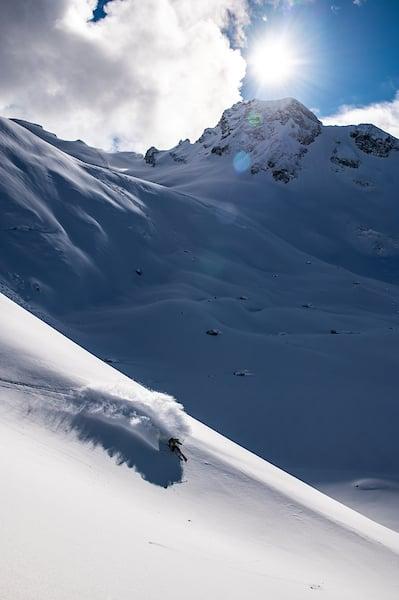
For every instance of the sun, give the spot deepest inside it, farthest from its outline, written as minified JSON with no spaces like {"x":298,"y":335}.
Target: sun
{"x":273,"y":62}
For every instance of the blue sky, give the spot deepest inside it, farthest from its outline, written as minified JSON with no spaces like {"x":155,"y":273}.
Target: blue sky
{"x":353,"y":51}
{"x":99,"y":12}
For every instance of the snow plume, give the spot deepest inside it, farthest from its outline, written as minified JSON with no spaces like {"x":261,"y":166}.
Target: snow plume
{"x":149,"y":73}
{"x":132,"y":424}
{"x":384,"y":115}
{"x":151,"y":416}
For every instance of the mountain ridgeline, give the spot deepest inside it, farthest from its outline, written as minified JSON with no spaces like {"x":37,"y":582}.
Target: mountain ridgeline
{"x":273,"y":137}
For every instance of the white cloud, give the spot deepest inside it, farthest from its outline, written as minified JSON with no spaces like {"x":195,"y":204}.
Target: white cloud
{"x":151,"y":72}
{"x":382,"y":114}
{"x":359,"y":2}
{"x":285,"y":3}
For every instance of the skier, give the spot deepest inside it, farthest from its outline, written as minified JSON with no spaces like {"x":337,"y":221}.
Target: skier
{"x":174,"y":444}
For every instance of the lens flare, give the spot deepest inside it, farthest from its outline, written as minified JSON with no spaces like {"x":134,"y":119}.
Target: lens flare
{"x":241,"y":162}
{"x":255,"y":119}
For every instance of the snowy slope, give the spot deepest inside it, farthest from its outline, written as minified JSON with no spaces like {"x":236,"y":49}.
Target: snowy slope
{"x":137,"y":272}
{"x":77,"y":522}
{"x":82,"y":151}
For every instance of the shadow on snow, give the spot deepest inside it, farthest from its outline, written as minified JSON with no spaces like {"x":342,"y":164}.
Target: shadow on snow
{"x":159,"y":467}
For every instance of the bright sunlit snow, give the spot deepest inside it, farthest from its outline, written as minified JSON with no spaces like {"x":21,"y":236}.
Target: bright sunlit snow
{"x":104,"y":524}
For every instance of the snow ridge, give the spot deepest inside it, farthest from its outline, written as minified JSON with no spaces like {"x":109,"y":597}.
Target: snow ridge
{"x":372,"y":140}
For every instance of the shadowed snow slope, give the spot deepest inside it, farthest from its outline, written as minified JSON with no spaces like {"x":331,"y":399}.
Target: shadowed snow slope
{"x":273,"y":230}
{"x":91,"y":528}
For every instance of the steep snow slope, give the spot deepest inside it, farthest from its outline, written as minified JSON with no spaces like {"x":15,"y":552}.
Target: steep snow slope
{"x":77,"y":522}
{"x":138,"y":272}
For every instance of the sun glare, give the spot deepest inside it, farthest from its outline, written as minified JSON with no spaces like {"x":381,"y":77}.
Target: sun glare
{"x":273,"y":62}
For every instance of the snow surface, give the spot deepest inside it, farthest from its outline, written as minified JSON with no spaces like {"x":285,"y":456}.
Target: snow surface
{"x":294,"y":261}
{"x":76,"y":522}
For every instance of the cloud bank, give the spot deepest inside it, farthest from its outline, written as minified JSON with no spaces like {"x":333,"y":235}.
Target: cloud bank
{"x":151,"y":72}
{"x":382,"y":114}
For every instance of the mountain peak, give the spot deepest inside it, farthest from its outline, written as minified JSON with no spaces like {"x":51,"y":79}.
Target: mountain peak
{"x":272,"y":109}
{"x":258,"y":135}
